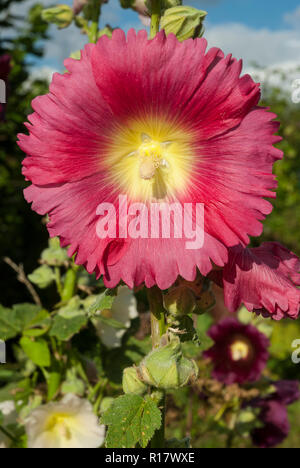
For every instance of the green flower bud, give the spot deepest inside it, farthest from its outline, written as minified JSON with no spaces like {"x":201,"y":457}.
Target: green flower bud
{"x":166,"y":367}
{"x":180,"y":301}
{"x":132,"y":383}
{"x":183,"y":21}
{"x":106,"y":404}
{"x":61,"y":15}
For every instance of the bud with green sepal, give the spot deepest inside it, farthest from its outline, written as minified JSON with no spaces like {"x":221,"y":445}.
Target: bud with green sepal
{"x":183,"y":21}
{"x":61,"y":15}
{"x":179,"y":301}
{"x":166,"y":367}
{"x":132,"y":383}
{"x":181,"y":298}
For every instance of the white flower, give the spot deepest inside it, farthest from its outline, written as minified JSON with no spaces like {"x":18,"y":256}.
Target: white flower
{"x":8,"y":410}
{"x":69,"y":423}
{"x":123,"y":310}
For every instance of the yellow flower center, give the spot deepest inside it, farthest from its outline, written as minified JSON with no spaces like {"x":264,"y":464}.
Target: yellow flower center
{"x":239,"y":350}
{"x":60,"y":423}
{"x":150,"y":159}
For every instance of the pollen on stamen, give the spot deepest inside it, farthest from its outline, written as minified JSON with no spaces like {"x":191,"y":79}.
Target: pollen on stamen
{"x":151,"y":154}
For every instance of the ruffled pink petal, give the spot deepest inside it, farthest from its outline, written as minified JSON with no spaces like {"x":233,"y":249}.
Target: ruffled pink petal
{"x":67,"y":137}
{"x":263,"y":279}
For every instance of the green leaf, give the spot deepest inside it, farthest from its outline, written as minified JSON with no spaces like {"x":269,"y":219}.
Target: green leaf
{"x":111,"y":322}
{"x":26,"y":314}
{"x":186,"y":325}
{"x":16,"y":390}
{"x":21,"y":316}
{"x":37,"y":351}
{"x":131,"y":420}
{"x":64,"y":328}
{"x":9,"y":325}
{"x":204,"y":322}
{"x":42,"y":276}
{"x":103,"y":301}
{"x":53,"y":382}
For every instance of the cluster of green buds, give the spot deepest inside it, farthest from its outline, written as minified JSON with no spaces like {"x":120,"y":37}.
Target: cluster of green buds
{"x":183,"y":21}
{"x":164,"y":368}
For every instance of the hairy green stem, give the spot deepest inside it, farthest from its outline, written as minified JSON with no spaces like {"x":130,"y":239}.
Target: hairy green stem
{"x":58,"y":281}
{"x":155,"y":17}
{"x":158,"y":328}
{"x":158,"y":322}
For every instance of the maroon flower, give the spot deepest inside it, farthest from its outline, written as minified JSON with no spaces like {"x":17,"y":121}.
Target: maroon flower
{"x":287,"y":391}
{"x":239,"y":353}
{"x":274,"y":414}
{"x":276,"y":425}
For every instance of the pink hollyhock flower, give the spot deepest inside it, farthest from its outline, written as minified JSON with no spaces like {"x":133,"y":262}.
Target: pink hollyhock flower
{"x":265,"y":279}
{"x":240,"y":352}
{"x":5,"y":68}
{"x":159,"y":121}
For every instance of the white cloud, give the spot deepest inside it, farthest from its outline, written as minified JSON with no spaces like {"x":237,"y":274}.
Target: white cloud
{"x":261,"y":46}
{"x":293,"y":18}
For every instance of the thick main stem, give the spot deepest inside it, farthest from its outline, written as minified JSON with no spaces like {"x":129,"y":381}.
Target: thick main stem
{"x":155,"y":17}
{"x":94,"y":28}
{"x":158,"y":328}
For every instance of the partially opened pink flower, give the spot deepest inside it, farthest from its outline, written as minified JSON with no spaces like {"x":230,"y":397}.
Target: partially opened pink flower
{"x":239,"y":353}
{"x":264,"y":279}
{"x":155,"y":121}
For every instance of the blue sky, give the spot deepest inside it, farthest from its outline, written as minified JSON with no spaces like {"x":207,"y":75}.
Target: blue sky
{"x":253,"y":13}
{"x":262,"y":31}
